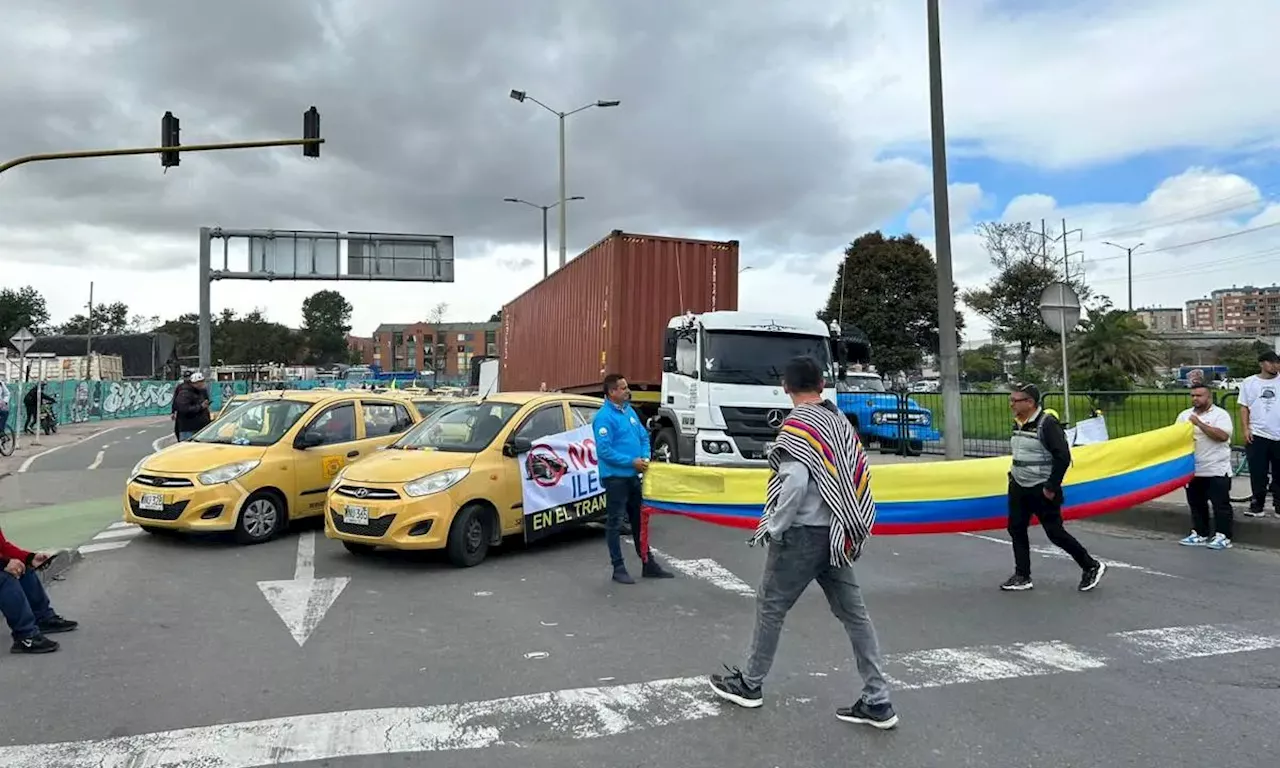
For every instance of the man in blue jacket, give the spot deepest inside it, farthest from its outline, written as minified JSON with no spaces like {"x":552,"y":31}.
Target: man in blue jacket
{"x":622,"y":447}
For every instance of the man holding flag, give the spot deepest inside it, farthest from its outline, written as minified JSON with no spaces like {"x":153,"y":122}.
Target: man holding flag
{"x":818,"y":515}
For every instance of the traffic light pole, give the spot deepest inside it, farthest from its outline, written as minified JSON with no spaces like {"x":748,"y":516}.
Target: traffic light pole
{"x":17,"y":161}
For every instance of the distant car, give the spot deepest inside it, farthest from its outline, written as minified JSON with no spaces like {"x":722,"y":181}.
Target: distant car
{"x":874,"y":412}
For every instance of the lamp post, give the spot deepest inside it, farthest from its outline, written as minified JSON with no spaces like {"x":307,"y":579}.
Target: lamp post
{"x":544,"y":209}
{"x":1129,"y":252}
{"x":524,"y":96}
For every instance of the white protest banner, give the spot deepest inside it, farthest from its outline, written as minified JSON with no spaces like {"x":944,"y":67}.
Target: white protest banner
{"x":560,"y":481}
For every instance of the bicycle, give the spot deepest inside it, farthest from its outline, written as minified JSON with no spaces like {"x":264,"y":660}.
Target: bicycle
{"x":7,"y":439}
{"x":1239,"y":468}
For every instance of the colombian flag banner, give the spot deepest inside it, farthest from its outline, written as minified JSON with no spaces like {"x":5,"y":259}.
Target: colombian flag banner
{"x":944,"y":496}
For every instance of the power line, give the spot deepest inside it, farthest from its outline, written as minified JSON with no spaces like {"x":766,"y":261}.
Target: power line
{"x":1189,"y":214}
{"x":1203,"y":241}
{"x":1194,"y":269}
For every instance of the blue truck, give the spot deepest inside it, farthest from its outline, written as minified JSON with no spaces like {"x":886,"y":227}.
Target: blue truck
{"x":873,"y":410}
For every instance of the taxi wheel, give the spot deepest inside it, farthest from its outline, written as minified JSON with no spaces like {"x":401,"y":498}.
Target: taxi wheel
{"x":469,"y":536}
{"x":261,"y":518}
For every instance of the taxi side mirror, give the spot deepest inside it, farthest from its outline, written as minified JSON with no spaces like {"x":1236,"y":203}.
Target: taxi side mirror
{"x":516,"y":446}
{"x":307,"y":439}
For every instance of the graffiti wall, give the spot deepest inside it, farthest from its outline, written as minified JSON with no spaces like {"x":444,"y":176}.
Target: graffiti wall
{"x":79,"y":401}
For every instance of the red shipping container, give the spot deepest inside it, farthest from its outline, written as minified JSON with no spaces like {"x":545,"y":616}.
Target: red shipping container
{"x":607,"y":311}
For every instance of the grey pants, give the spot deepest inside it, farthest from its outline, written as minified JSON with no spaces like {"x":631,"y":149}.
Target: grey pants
{"x":801,"y":555}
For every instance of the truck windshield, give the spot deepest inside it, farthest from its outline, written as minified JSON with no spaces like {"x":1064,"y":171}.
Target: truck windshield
{"x":742,"y":357}
{"x":856,"y":383}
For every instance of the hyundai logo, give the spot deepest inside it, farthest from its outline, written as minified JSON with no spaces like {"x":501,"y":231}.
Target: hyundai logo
{"x":362,"y":492}
{"x":775,"y":418}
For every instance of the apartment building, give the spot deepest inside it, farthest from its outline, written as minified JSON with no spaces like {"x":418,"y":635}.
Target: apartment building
{"x":446,"y":348}
{"x":363,"y":346}
{"x":1161,"y":319}
{"x":1238,"y":309}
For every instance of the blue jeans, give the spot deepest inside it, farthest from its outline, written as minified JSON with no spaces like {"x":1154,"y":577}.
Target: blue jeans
{"x":4,"y":416}
{"x":185,"y":436}
{"x":622,"y":501}
{"x":24,"y":603}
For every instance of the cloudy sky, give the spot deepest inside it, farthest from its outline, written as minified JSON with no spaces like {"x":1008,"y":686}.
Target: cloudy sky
{"x":790,"y":127}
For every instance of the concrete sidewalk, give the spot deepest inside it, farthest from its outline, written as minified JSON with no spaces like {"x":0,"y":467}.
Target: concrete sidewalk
{"x":68,"y":434}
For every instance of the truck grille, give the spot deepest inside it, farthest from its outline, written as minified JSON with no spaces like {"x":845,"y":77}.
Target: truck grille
{"x":750,"y":428}
{"x":378,"y":526}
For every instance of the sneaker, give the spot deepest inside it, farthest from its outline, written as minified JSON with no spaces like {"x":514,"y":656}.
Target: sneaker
{"x":652,"y":569}
{"x":35,"y":644}
{"x":1194,"y":540}
{"x":1254,"y":512}
{"x":621,"y":576}
{"x":879,"y":716}
{"x":1092,"y":575}
{"x":1017,"y":583}
{"x":1219,"y":542}
{"x":55,"y":624}
{"x":733,"y":688}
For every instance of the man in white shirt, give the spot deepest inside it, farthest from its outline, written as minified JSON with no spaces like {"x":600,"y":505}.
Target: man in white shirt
{"x":1212,"y":428}
{"x":1260,"y":419}
{"x":4,"y":401}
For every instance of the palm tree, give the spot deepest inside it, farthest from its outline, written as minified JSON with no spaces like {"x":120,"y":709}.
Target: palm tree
{"x":1112,"y":349}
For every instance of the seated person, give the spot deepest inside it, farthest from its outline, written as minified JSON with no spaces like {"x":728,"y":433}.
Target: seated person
{"x":24,"y":603}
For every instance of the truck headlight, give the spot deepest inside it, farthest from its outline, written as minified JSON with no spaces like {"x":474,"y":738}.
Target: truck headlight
{"x":435,"y":482}
{"x":227,"y":472}
{"x":717,"y":446}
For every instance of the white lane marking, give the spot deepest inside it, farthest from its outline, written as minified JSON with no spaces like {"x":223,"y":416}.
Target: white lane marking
{"x":567,"y":715}
{"x":31,"y":459}
{"x":708,"y":570}
{"x":939,"y":667}
{"x":141,"y":432}
{"x":155,"y":444}
{"x":119,"y":525}
{"x":302,"y":601}
{"x":118,"y":533}
{"x":1056,"y":553}
{"x":97,"y":460}
{"x":102,"y":546}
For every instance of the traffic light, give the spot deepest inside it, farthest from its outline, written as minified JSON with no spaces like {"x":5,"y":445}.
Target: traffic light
{"x":311,"y":130}
{"x":169,"y":131}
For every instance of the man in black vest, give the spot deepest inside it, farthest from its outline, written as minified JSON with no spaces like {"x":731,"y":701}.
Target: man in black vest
{"x":1041,"y":456}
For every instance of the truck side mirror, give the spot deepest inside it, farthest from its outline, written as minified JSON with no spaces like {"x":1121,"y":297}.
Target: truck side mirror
{"x":668,"y":365}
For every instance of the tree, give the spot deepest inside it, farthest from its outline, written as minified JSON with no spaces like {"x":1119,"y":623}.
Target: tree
{"x":22,"y":308}
{"x":434,"y":357}
{"x":496,"y":317}
{"x":107,"y":319}
{"x":254,"y":340}
{"x":887,"y":287}
{"x":1011,"y":300}
{"x":326,"y":319}
{"x":1241,"y":358}
{"x":986,"y":363}
{"x":1112,"y":349}
{"x":142,"y":323}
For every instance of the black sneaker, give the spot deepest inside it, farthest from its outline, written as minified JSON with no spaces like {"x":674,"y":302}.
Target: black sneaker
{"x":879,"y":716}
{"x":653,"y":570}
{"x":732,"y":687}
{"x":36,"y":644}
{"x":1017,"y":583}
{"x":1092,"y":575}
{"x":621,"y":576}
{"x":55,"y":624}
{"x":1254,"y":512}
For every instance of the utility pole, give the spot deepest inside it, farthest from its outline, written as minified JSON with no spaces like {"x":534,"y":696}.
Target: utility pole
{"x":1062,"y":335}
{"x":88,"y":343}
{"x":1129,"y":257}
{"x":948,"y":352}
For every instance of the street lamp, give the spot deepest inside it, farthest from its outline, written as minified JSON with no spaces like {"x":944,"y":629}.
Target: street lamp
{"x":524,"y":96}
{"x":544,"y":209}
{"x":1129,"y":252}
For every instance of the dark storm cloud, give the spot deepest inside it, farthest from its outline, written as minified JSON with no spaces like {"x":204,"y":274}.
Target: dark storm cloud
{"x":721,"y":127}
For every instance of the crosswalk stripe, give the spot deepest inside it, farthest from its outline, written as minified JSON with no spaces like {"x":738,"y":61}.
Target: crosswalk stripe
{"x":118,"y":533}
{"x":102,"y":546}
{"x":119,"y":525}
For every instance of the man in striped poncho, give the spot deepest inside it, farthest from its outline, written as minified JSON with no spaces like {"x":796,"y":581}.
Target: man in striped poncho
{"x":818,"y":515}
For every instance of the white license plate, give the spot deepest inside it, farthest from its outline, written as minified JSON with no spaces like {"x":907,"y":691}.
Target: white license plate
{"x":152,"y":502}
{"x":355,"y":515}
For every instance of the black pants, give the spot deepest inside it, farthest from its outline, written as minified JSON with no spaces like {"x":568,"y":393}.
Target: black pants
{"x":1027,"y":502}
{"x":29,"y":423}
{"x":622,"y":502}
{"x":1263,"y":456}
{"x":1203,"y":492}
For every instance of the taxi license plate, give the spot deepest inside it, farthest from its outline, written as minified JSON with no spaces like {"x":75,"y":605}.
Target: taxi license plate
{"x":152,"y":502}
{"x":355,"y":515}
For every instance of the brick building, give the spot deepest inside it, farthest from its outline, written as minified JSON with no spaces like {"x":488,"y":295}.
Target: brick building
{"x":446,"y":348}
{"x":1161,"y":319}
{"x":363,"y":346}
{"x":1238,"y":309}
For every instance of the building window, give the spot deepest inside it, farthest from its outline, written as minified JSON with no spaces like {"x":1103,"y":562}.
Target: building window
{"x":462,"y":337}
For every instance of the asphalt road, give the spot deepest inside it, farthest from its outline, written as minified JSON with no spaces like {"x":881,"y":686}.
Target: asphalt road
{"x":1174,"y":660}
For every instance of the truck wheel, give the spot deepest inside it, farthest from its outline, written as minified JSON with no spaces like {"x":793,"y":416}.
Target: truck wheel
{"x":664,"y":446}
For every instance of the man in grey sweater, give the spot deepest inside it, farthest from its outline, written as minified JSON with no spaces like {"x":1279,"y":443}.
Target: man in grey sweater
{"x":818,"y":514}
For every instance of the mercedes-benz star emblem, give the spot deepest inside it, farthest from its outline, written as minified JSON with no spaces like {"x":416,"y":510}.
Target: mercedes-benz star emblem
{"x":775,"y":418}
{"x":362,"y":492}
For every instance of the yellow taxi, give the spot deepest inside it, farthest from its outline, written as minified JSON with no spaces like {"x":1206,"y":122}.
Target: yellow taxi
{"x":263,"y":464}
{"x":425,"y":401}
{"x":242,"y":398}
{"x":452,"y":482}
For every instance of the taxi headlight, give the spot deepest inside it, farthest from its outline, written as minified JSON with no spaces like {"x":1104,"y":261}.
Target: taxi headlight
{"x":227,"y":472}
{"x":337,"y":478}
{"x":434,"y":483}
{"x":137,"y":468}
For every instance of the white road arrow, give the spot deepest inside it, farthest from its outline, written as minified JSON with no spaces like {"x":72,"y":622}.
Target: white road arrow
{"x":303,"y":601}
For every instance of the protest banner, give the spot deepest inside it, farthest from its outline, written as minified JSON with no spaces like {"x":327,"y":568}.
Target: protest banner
{"x":560,"y":483}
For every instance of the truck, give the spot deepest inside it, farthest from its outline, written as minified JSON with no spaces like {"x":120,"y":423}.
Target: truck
{"x":663,"y":312}
{"x":875,"y":412}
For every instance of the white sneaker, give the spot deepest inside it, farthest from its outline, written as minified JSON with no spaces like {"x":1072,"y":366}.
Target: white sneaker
{"x":1194,"y":540}
{"x":1219,"y":542}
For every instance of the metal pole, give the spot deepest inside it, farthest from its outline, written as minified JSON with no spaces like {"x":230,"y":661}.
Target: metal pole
{"x":88,"y":344}
{"x":1062,"y":335}
{"x":563,"y":207}
{"x":206,"y":302}
{"x":1129,"y":254}
{"x":948,"y":354}
{"x":22,"y":394}
{"x":546,"y":265}
{"x":127,"y":151}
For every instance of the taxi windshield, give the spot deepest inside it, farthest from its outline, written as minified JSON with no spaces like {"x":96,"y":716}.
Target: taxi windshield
{"x":260,"y":422}
{"x":428,"y":407}
{"x":459,"y":428}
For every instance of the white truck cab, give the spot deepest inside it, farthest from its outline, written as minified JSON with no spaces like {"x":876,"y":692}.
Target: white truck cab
{"x":722,"y":399}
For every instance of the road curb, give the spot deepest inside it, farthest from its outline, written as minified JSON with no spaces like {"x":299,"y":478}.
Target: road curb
{"x":1176,"y":519}
{"x":60,"y":565}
